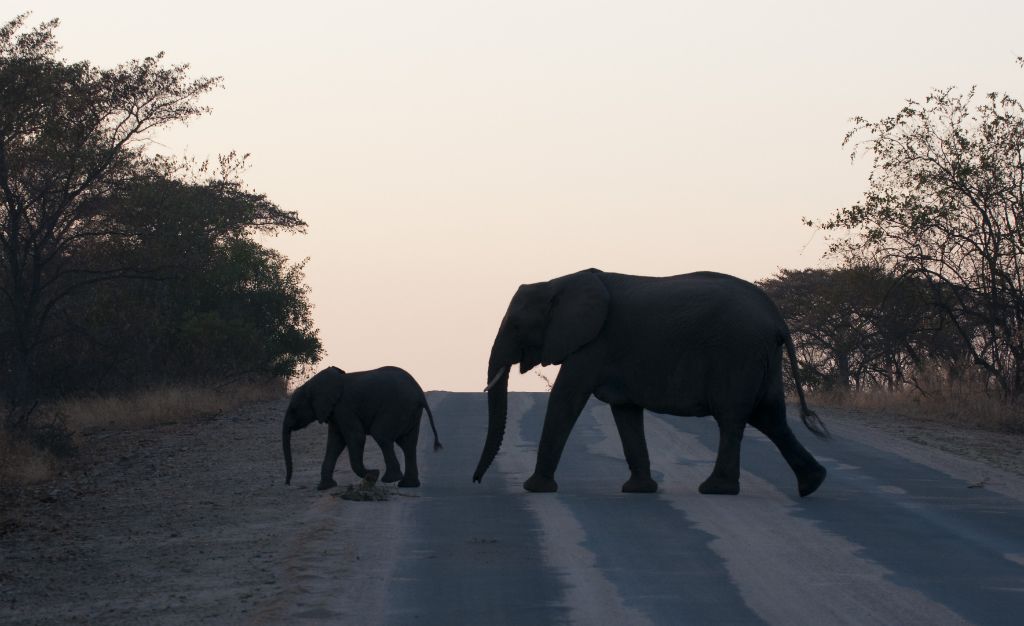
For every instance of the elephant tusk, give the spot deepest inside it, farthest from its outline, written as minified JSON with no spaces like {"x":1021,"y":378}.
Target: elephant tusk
{"x":494,"y":381}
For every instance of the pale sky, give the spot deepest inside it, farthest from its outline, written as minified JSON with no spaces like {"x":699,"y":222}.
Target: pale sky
{"x":445,"y":152}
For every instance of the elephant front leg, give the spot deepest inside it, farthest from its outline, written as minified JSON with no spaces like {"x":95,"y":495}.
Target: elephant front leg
{"x":629,"y":419}
{"x":335,"y":445}
{"x":565,"y":403}
{"x":356,"y":439}
{"x":725,"y":477}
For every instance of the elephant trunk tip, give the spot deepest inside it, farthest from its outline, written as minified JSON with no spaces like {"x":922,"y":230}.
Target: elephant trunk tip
{"x":490,"y":451}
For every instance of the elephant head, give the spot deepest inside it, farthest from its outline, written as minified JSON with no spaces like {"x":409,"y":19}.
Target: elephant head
{"x":545,"y":323}
{"x":314,"y":400}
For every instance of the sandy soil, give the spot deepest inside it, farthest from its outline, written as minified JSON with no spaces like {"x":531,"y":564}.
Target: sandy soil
{"x":181,"y":523}
{"x":1004,"y":451}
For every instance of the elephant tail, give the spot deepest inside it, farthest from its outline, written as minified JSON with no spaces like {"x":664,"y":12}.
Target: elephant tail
{"x":437,"y":444}
{"x":807,"y":416}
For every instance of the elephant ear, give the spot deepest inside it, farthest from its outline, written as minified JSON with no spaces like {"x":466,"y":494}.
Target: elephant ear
{"x":327,"y":392}
{"x":579,"y":307}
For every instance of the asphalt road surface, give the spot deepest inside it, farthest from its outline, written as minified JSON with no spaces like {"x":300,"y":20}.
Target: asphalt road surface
{"x":894,"y":536}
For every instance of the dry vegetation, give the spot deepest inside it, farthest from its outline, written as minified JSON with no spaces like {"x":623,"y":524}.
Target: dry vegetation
{"x":964,"y":403}
{"x":22,"y":463}
{"x":162,"y":405}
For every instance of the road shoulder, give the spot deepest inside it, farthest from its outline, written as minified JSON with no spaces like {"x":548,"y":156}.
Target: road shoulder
{"x":984,"y":459}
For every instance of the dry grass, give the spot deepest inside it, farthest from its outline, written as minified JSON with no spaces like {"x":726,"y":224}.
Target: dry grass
{"x":23,"y":464}
{"x":161,"y":405}
{"x":965,"y":403}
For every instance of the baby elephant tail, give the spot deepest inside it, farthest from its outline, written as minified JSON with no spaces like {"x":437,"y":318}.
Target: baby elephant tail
{"x":437,"y":444}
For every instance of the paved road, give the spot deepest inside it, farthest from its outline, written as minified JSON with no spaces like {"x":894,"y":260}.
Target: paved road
{"x":891,"y":537}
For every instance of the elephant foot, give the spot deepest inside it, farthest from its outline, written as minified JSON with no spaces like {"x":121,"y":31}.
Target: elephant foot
{"x":370,"y":477}
{"x":326,"y":484}
{"x":640,"y":484}
{"x":809,"y":482}
{"x":391,"y":476}
{"x":540,"y":484}
{"x":719,"y":486}
{"x":409,"y":482}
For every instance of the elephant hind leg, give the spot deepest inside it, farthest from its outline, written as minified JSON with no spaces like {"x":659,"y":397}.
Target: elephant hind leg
{"x":725,"y":477}
{"x":770,"y":419}
{"x":629,"y":419}
{"x":407,"y":443}
{"x":356,"y":440}
{"x":392,"y":471}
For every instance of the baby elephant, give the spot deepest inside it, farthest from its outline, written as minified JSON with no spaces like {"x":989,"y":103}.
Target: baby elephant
{"x":385,"y":403}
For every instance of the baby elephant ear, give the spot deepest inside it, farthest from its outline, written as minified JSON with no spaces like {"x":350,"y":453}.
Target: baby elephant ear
{"x":327,"y":392}
{"x":579,"y":307}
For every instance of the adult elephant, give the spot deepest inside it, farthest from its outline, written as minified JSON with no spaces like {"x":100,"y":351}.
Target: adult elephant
{"x":695,"y":344}
{"x":386,"y":404}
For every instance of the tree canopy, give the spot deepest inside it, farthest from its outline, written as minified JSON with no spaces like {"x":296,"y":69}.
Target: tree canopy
{"x":945,"y":207}
{"x":119,"y":266}
{"x":862,"y":327}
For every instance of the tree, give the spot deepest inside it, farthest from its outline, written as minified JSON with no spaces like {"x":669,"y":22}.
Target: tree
{"x":215,"y":304}
{"x":859,"y":327}
{"x":71,"y":136}
{"x":119,"y":267}
{"x":945,"y":204}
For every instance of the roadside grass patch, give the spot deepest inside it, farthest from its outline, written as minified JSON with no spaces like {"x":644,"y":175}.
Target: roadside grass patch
{"x":964,"y":402}
{"x":56,"y":429}
{"x":162,"y":405}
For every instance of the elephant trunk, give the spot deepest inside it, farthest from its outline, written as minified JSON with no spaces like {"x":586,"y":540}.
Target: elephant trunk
{"x":497,"y":412}
{"x":286,"y":443}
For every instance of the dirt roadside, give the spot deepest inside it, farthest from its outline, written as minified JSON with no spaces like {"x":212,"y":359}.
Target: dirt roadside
{"x":181,"y":523}
{"x":1003,"y":451}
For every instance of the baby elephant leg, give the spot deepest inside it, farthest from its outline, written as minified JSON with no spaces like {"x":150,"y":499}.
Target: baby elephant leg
{"x":392,"y":471}
{"x":335,"y":444}
{"x":356,"y":439}
{"x":412,"y":473}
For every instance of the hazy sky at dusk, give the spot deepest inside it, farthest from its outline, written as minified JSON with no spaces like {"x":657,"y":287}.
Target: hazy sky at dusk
{"x":445,"y":152}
